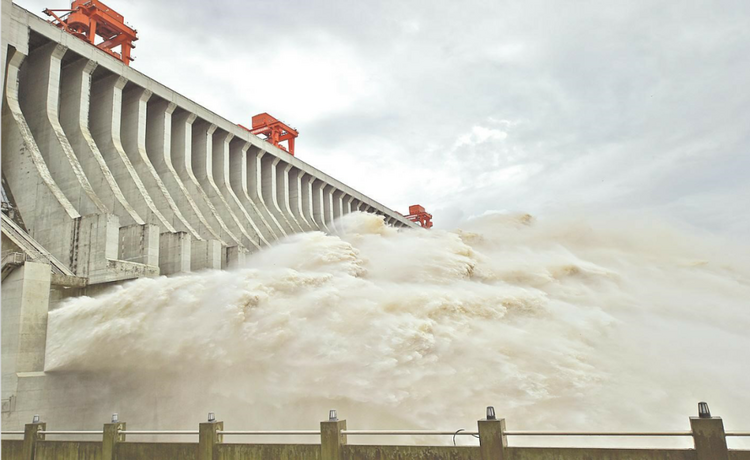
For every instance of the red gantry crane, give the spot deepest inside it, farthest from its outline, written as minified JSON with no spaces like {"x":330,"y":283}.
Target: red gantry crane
{"x":275,"y":131}
{"x":87,"y":19}
{"x":418,"y":215}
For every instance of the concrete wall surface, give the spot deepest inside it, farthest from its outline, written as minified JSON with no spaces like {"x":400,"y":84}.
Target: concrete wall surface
{"x":11,"y":449}
{"x":149,"y":450}
{"x":92,"y":450}
{"x":552,"y":453}
{"x":265,"y":451}
{"x":355,"y":452}
{"x":68,"y":450}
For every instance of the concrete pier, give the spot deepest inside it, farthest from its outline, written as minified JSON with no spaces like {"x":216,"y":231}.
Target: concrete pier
{"x":283,"y":194}
{"x":238,"y":181}
{"x":221,"y":166}
{"x":269,"y":178}
{"x":256,"y":180}
{"x":159,"y":151}
{"x":328,"y":215}
{"x":298,"y":199}
{"x":74,"y":107}
{"x":175,"y":253}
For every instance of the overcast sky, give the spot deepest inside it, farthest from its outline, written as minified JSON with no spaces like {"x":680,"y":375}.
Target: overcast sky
{"x":478,"y":106}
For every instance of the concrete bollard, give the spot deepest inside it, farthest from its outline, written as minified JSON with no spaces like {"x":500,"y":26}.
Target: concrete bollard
{"x":708,"y":435}
{"x":492,"y":439}
{"x":30,"y":437}
{"x":110,"y":439}
{"x":331,"y":439}
{"x":208,"y":437}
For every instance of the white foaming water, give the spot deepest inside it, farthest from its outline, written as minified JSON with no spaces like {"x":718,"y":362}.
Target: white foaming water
{"x":558,"y":324}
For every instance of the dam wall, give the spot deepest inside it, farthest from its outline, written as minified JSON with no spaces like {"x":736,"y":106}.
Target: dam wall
{"x":110,"y":176}
{"x":91,"y":142}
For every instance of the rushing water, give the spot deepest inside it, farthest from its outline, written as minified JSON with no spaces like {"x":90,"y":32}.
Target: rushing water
{"x":560,"y":324}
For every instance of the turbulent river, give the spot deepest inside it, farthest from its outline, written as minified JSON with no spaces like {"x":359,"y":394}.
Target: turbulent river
{"x":560,"y":324}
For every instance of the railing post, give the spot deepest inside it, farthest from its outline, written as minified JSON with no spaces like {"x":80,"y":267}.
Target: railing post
{"x":492,"y":439}
{"x":31,"y":436}
{"x":208,"y":437}
{"x":331,"y":439}
{"x":111,"y":437}
{"x":708,"y":435}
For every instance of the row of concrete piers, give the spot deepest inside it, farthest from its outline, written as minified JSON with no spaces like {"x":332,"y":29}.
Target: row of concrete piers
{"x":116,"y":175}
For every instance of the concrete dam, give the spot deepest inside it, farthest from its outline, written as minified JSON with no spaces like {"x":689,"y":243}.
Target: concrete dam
{"x":110,"y":176}
{"x":174,"y":286}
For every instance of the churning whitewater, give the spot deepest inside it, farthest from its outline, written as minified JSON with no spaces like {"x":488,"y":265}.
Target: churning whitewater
{"x":560,"y":324}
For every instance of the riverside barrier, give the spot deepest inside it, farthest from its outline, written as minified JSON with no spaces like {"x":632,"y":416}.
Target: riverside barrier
{"x":707,"y":432}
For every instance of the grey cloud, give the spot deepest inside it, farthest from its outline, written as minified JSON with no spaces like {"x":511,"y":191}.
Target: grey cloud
{"x":613,"y":105}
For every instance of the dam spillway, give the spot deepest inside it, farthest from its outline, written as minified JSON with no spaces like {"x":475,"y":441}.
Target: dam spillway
{"x":110,"y":176}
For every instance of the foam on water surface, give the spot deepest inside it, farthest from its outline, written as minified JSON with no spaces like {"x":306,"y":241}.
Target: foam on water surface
{"x":560,"y":324}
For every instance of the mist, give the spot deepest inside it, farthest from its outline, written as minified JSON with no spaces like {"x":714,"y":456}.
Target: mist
{"x":560,"y":323}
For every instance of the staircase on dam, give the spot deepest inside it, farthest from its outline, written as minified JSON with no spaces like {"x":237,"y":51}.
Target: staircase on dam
{"x":112,"y":176}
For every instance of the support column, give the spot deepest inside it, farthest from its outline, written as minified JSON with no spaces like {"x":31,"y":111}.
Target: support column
{"x":208,"y":438}
{"x":110,"y":439}
{"x":105,"y":119}
{"x":139,"y":243}
{"x":708,"y":437}
{"x":30,"y":437}
{"x":225,"y":149}
{"x":295,"y":199}
{"x":174,"y":253}
{"x":235,"y":257}
{"x":32,"y":327}
{"x":40,"y":101}
{"x":283,"y":195}
{"x":193,"y":161}
{"x":319,"y":204}
{"x":255,"y":183}
{"x":268,"y":164}
{"x":97,"y":243}
{"x":178,"y":162}
{"x":328,"y":207}
{"x":47,"y":212}
{"x":338,"y":205}
{"x":75,"y":104}
{"x":238,"y":179}
{"x":209,"y":149}
{"x":159,"y":150}
{"x":492,"y":439}
{"x":306,"y":187}
{"x":205,"y":254}
{"x":133,"y":128}
{"x":331,"y":439}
